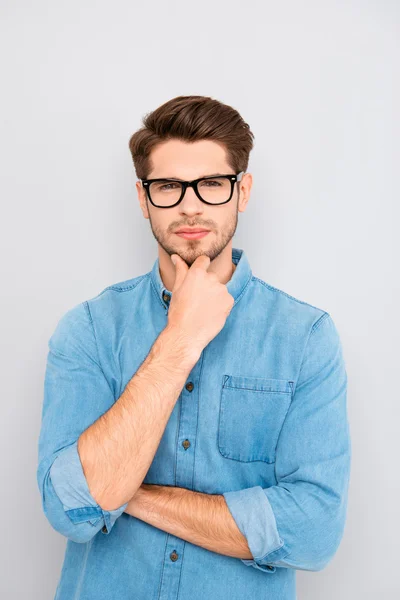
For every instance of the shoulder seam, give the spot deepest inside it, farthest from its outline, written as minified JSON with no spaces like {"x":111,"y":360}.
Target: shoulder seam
{"x":88,"y":311}
{"x":317,"y":323}
{"x":275,"y":289}
{"x":117,"y":288}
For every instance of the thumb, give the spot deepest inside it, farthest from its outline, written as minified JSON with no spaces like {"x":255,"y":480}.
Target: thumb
{"x":181,"y":270}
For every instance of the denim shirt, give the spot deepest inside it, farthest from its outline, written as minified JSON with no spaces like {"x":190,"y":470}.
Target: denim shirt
{"x":262,"y":420}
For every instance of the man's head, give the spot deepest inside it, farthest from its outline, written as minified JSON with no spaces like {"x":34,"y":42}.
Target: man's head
{"x":186,"y":138}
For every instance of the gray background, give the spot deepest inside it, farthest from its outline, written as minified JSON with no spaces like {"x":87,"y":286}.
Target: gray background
{"x":318,"y":82}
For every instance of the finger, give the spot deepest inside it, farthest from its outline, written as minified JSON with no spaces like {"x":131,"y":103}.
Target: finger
{"x":181,"y":270}
{"x":202,"y":261}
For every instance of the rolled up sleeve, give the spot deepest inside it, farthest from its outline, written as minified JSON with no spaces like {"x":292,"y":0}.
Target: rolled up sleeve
{"x":76,"y":393}
{"x":299,"y":522}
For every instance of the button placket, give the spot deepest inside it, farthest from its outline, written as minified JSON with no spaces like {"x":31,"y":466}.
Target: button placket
{"x":186,"y":438}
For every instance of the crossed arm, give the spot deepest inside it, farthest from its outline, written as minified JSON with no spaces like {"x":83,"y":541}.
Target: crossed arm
{"x":297,"y":522}
{"x":202,"y":519}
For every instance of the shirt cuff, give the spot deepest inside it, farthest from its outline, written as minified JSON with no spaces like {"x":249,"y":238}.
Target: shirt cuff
{"x":71,"y":487}
{"x":255,"y":518}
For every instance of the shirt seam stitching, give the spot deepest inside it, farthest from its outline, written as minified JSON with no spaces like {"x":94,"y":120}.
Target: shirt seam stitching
{"x":315,"y":326}
{"x":275,"y":289}
{"x":318,"y":323}
{"x":116,"y":288}
{"x":87,"y":308}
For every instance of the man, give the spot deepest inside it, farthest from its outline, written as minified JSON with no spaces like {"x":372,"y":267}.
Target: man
{"x":195,"y":441}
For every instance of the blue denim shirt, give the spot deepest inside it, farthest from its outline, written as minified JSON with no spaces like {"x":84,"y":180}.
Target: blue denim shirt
{"x":264,"y":411}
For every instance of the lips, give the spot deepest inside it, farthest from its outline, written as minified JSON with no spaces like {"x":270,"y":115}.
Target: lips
{"x":190,"y":230}
{"x":192,"y":235}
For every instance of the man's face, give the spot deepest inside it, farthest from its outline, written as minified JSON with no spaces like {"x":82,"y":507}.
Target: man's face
{"x":188,"y":161}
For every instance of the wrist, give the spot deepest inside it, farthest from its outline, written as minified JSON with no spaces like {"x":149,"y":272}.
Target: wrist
{"x":178,"y":344}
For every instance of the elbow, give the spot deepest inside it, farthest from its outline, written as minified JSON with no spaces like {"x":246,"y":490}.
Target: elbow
{"x":59,"y":520}
{"x":319,"y":557}
{"x":328,"y":536}
{"x":314,"y":556}
{"x":79,"y":532}
{"x":317,"y":561}
{"x":314,"y":549}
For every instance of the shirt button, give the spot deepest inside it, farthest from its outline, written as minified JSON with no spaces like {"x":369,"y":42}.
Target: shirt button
{"x":104,"y":529}
{"x":270,"y":568}
{"x":166,"y":297}
{"x":173,"y":556}
{"x":186,"y":444}
{"x":189,"y":386}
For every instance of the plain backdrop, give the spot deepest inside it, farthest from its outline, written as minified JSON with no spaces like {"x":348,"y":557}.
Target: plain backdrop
{"x":318,"y":83}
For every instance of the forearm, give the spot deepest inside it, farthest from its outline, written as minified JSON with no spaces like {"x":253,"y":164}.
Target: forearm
{"x":118,"y":448}
{"x":202,"y":519}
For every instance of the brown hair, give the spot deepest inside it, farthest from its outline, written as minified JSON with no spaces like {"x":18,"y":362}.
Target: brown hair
{"x":192,"y":118}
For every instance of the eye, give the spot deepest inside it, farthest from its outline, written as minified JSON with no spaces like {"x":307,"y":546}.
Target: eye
{"x":165,"y":187}
{"x":211,"y":183}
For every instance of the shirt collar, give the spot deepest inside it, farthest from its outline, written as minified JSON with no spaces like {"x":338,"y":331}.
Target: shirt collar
{"x":236,"y":285}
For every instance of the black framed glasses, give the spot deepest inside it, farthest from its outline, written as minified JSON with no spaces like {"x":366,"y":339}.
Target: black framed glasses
{"x":168,"y":192}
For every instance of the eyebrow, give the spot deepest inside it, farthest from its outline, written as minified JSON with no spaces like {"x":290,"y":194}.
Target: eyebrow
{"x":201,"y":176}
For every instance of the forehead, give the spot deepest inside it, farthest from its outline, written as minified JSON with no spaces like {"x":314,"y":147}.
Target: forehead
{"x":187,"y":160}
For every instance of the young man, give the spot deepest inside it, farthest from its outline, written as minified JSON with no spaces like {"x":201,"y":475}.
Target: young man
{"x":195,"y":440}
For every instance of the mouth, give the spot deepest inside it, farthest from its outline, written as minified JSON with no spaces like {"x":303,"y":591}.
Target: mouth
{"x":191,"y":229}
{"x":193,"y":234}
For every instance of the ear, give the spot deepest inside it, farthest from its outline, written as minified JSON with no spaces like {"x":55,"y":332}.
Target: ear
{"x":245,"y":188}
{"x":142,"y":199}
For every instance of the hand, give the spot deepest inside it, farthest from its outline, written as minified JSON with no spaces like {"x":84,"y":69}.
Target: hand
{"x":200,"y":303}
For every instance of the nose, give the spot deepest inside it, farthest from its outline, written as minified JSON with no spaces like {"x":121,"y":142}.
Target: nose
{"x":190,"y":202}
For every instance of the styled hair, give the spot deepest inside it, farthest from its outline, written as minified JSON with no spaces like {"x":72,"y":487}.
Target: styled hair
{"x":190,"y":119}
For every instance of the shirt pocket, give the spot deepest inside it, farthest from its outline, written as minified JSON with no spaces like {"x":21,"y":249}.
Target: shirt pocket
{"x":251,"y":414}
